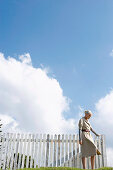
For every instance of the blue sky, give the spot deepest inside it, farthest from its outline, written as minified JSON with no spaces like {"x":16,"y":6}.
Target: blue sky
{"x":72,"y":37}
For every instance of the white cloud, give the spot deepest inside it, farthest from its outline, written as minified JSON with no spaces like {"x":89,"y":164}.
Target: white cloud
{"x":111,"y":54}
{"x":25,"y":58}
{"x":31,"y":98}
{"x":9,"y":123}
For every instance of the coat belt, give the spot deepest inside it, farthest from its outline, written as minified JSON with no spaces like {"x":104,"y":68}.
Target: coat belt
{"x":85,"y":130}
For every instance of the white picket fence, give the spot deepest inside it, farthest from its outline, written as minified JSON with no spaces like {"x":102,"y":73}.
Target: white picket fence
{"x":45,"y":150}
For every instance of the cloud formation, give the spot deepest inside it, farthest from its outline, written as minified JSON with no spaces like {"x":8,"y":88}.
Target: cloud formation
{"x":111,"y":53}
{"x":32,"y":101}
{"x":25,"y":58}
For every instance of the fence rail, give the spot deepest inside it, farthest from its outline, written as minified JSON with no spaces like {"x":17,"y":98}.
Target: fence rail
{"x":45,"y":150}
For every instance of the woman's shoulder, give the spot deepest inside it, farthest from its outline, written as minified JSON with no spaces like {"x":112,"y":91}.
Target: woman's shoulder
{"x":81,"y":119}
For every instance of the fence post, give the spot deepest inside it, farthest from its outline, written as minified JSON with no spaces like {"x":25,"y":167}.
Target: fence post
{"x":104,"y":156}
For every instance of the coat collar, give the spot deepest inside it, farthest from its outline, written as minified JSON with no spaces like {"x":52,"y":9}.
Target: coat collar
{"x":87,"y":121}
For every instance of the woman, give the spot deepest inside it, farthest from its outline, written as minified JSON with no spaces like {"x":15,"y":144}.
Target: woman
{"x":88,"y":148}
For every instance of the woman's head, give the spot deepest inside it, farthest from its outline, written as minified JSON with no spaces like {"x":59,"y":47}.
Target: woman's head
{"x":88,"y":114}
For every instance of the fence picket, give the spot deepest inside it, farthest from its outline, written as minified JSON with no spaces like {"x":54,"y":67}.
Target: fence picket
{"x":32,"y":151}
{"x":73,"y":163}
{"x":70,"y":152}
{"x":20,"y":151}
{"x":16,"y":152}
{"x":104,"y":158}
{"x":62,"y":154}
{"x":96,"y":157}
{"x":58,"y":156}
{"x":39,"y":151}
{"x":47,"y":151}
{"x":66,"y":151}
{"x":5,"y":151}
{"x":24,"y":151}
{"x":77,"y":151}
{"x":36,"y":152}
{"x":44,"y":150}
{"x":2,"y":150}
{"x":9,"y":150}
{"x":28,"y":151}
{"x":12,"y":151}
{"x":99,"y":146}
{"x":51,"y":152}
{"x":55,"y":145}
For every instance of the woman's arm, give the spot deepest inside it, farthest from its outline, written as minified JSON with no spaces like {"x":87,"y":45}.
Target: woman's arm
{"x":80,"y":124}
{"x":80,"y":135}
{"x":94,"y":132}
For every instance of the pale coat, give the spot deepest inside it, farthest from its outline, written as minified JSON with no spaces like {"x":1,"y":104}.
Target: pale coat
{"x":88,"y":148}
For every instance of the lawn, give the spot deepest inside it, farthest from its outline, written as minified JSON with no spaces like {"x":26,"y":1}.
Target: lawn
{"x":64,"y":168}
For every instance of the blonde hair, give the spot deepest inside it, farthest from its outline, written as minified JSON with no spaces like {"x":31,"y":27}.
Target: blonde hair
{"x":88,"y":112}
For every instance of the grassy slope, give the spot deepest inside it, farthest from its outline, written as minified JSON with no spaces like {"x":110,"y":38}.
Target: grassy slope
{"x":65,"y":168}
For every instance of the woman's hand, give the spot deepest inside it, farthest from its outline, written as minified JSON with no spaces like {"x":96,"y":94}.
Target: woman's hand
{"x":98,"y":135}
{"x":80,"y":142}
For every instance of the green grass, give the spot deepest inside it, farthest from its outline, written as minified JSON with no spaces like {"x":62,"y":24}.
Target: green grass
{"x":64,"y":168}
